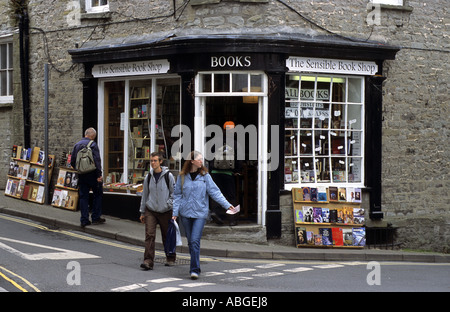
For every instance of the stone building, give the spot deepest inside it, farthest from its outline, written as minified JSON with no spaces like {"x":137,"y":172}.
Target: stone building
{"x":336,"y":93}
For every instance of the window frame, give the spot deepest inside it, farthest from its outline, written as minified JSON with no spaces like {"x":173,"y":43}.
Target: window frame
{"x":96,"y":9}
{"x":295,"y":132}
{"x":389,"y":2}
{"x":9,"y":70}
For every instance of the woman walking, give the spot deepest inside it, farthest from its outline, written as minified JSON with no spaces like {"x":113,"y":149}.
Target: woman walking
{"x":191,"y":203}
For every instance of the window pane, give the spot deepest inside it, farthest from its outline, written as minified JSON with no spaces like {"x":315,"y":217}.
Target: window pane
{"x":3,"y":56}
{"x":354,"y":170}
{"x":205,"y":83}
{"x":354,"y":90}
{"x":10,"y":79}
{"x":321,"y":142}
{"x":307,"y":170}
{"x":306,"y":143}
{"x":354,"y":116}
{"x":338,"y":169}
{"x":240,"y":82}
{"x":291,"y":115}
{"x":338,"y":94}
{"x":10,"y":55}
{"x":323,"y":169}
{"x":256,"y":82}
{"x":3,"y":87}
{"x":337,"y":116}
{"x":222,"y":82}
{"x":322,"y":116}
{"x":113,"y":140}
{"x":354,"y":143}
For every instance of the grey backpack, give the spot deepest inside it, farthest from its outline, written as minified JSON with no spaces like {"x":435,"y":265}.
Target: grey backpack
{"x":85,"y":160}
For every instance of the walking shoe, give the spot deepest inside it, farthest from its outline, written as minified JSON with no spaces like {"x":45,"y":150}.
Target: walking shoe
{"x":146,"y":266}
{"x":99,"y":221}
{"x":194,"y":276}
{"x":85,"y":224}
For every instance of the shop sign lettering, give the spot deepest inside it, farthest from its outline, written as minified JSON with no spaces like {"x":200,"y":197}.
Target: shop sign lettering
{"x":306,"y":64}
{"x":131,"y":68}
{"x":235,"y":61}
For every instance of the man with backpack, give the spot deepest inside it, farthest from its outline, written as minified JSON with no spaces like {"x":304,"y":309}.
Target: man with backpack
{"x":89,"y":177}
{"x":156,"y":208}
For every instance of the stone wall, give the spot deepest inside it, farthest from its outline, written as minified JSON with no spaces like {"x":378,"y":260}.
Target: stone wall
{"x":416,"y":104}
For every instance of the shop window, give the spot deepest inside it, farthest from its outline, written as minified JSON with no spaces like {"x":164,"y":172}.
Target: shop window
{"x":324,"y":129}
{"x":97,"y":6}
{"x":6,"y":72}
{"x":138,"y":126}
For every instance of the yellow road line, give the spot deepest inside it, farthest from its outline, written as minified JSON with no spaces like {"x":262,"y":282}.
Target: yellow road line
{"x":16,"y":284}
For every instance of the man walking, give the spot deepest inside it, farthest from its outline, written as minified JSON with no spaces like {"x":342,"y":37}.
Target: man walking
{"x":156,"y":208}
{"x":89,"y":181}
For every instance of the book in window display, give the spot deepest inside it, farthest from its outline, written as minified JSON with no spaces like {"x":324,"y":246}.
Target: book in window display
{"x":358,"y":215}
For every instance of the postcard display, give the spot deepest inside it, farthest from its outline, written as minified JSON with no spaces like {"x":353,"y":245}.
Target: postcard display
{"x":26,"y":174}
{"x":328,"y":217}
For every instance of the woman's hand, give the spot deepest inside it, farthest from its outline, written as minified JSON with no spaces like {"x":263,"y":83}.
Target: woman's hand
{"x":174,"y":218}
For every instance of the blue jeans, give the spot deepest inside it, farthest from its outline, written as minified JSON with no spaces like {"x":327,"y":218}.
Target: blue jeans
{"x":85,"y":185}
{"x":194,"y":229}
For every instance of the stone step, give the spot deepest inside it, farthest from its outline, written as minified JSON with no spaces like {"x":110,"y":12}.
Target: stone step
{"x":248,"y":233}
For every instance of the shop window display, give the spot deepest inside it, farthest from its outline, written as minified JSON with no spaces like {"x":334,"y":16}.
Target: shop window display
{"x":324,"y":129}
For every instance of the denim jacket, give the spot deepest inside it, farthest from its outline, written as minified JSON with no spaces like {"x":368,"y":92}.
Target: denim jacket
{"x":192,"y":201}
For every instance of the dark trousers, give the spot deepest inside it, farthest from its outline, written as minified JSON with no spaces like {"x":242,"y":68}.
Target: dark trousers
{"x":87,"y":183}
{"x":151,"y":220}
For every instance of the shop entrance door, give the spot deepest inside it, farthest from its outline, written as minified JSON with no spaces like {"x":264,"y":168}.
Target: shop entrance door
{"x":211,"y":114}
{"x":240,"y":97}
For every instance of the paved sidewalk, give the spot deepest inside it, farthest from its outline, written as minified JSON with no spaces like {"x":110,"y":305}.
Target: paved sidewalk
{"x":133,"y":232}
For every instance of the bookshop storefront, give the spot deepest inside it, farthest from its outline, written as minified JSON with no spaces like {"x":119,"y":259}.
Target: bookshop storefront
{"x":302,"y":120}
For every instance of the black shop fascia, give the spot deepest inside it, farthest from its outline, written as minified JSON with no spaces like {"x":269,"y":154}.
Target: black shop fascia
{"x":241,"y":78}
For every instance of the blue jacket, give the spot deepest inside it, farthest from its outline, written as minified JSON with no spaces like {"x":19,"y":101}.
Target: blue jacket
{"x":95,"y":153}
{"x":192,"y":201}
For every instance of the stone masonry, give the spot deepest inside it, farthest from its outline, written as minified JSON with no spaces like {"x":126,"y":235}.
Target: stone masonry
{"x":416,"y":103}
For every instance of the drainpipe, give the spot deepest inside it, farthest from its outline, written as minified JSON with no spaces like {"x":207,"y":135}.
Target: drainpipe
{"x":24,"y":68}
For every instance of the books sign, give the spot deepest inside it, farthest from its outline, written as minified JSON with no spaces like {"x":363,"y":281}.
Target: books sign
{"x":131,"y":68}
{"x":308,"y":64}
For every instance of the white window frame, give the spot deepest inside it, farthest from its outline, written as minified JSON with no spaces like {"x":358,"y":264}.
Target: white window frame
{"x":97,"y":8}
{"x":389,"y":2}
{"x":8,"y":98}
{"x":330,"y":155}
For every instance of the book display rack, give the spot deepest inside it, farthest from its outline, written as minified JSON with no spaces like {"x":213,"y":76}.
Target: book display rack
{"x":65,"y":194}
{"x":26,"y":174}
{"x":328,"y":217}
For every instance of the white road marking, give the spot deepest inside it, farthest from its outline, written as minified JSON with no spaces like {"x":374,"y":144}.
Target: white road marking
{"x":167,"y":289}
{"x":164,"y":280}
{"x":62,"y":254}
{"x":299,"y":269}
{"x":328,"y":266}
{"x":129,"y":287}
{"x":270,"y":265}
